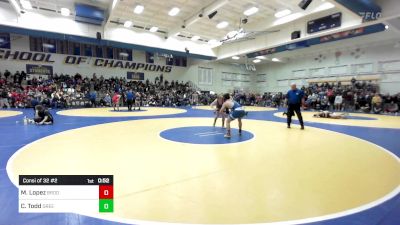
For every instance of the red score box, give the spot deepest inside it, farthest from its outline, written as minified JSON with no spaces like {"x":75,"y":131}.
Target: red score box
{"x":106,"y":192}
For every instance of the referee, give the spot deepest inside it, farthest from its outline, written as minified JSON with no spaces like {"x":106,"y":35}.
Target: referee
{"x":295,"y":98}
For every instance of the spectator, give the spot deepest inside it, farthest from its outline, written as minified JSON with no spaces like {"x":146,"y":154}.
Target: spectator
{"x":43,"y":116}
{"x":376,"y":103}
{"x":338,"y":102}
{"x":93,"y":96}
{"x":4,"y":99}
{"x":392,"y":108}
{"x":7,"y":74}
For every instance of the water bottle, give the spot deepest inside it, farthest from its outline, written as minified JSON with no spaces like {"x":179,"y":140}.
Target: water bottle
{"x":25,"y":120}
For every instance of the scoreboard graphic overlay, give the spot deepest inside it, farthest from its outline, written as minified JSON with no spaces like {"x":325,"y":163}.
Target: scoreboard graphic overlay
{"x":66,"y":193}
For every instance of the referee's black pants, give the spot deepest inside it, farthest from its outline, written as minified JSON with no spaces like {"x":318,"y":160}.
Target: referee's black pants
{"x":291,"y":109}
{"x":129,"y":103}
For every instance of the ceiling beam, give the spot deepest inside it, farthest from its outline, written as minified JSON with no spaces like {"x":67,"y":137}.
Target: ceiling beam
{"x":205,"y":11}
{"x":16,"y":6}
{"x":268,"y":40}
{"x":111,"y":10}
{"x":390,"y":9}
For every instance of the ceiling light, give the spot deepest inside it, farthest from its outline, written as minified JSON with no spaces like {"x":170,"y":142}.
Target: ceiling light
{"x":123,"y":54}
{"x":256,"y":60}
{"x":231,"y":34}
{"x":325,"y":6}
{"x":26,"y":4}
{"x":235,"y":57}
{"x":195,"y":38}
{"x":250,"y":11}
{"x":275,"y":60}
{"x":282,"y":13}
{"x":260,"y":57}
{"x":222,"y":25}
{"x":287,"y":19}
{"x":65,"y":12}
{"x":138,"y":9}
{"x":174,"y":11}
{"x":153,"y":29}
{"x":128,"y":23}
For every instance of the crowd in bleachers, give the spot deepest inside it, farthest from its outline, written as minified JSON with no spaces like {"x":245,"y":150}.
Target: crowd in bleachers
{"x":359,"y":96}
{"x":63,"y":91}
{"x":18,"y":90}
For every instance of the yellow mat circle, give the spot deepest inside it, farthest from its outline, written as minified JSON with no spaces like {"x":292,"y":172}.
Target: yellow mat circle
{"x":8,"y":113}
{"x":379,"y":121}
{"x":109,"y":112}
{"x":247,"y":108}
{"x":279,"y":175}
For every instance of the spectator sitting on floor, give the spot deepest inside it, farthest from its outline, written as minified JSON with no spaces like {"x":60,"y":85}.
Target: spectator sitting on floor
{"x":42,"y":116}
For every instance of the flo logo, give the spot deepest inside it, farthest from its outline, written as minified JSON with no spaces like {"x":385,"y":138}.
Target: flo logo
{"x":368,"y":16}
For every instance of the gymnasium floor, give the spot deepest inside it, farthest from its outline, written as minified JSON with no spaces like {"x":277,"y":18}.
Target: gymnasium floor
{"x":171,"y":166}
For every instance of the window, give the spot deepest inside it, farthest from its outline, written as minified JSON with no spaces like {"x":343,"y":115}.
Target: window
{"x":74,"y":48}
{"x":184,"y":61}
{"x":36,"y":44}
{"x":123,"y":54}
{"x":98,"y":52}
{"x":5,"y":40}
{"x":49,"y":45}
{"x":261,"y":78}
{"x":205,"y":76}
{"x":87,"y":50}
{"x":109,"y":53}
{"x":169,"y":61}
{"x":235,"y":79}
{"x":177,"y":61}
{"x":149,"y":57}
{"x":62,"y":47}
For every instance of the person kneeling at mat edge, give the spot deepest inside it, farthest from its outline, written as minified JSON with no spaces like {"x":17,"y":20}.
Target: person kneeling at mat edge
{"x":42,"y":116}
{"x":236,"y":112}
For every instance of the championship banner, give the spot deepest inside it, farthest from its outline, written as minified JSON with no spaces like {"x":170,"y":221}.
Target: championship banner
{"x":41,"y":57}
{"x":135,"y":76}
{"x":39,"y":69}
